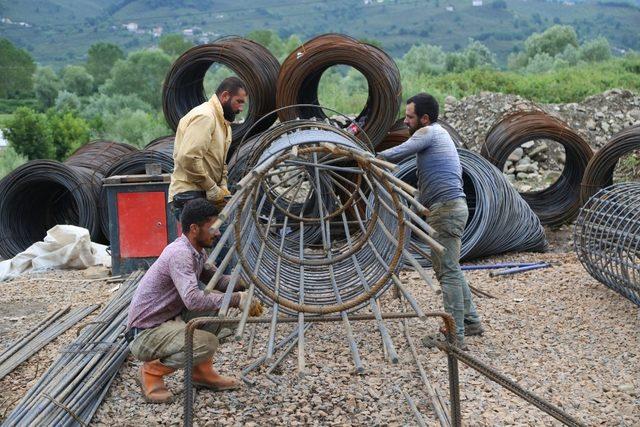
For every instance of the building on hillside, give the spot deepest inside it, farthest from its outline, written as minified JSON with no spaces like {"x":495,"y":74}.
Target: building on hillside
{"x":157,"y":32}
{"x":449,"y":8}
{"x":3,"y":142}
{"x":476,"y":3}
{"x":131,"y":26}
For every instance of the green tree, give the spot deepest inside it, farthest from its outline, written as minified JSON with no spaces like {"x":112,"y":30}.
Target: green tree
{"x":136,"y":127}
{"x":423,"y":59}
{"x":67,"y":101}
{"x":46,"y":86}
{"x":17,"y":71}
{"x":76,"y":79}
{"x":100,"y":60}
{"x":142,"y":74}
{"x":595,"y":50}
{"x":174,"y":44}
{"x":29,"y":134}
{"x":68,"y":132}
{"x":9,"y":160}
{"x":552,"y":41}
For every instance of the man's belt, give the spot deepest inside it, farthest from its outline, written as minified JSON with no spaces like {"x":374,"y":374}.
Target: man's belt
{"x":180,"y":199}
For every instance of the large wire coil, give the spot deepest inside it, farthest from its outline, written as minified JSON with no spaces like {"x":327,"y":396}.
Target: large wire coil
{"x":599,"y":173}
{"x":607,"y":238}
{"x":499,"y":219}
{"x":558,"y":203}
{"x":183,"y":87}
{"x":302,"y":70}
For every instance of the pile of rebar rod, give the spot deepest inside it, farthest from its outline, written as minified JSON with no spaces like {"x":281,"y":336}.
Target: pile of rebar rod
{"x":183,"y":86}
{"x":607,"y":238}
{"x":599,"y":173}
{"x":488,"y":192}
{"x":558,"y":203}
{"x":300,"y":75}
{"x":73,"y":387}
{"x":40,"y":335}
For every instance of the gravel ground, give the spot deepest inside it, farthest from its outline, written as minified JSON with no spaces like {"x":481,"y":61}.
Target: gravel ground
{"x":556,"y":331}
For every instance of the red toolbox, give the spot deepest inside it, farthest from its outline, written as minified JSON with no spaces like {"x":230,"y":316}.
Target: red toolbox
{"x":140,"y":221}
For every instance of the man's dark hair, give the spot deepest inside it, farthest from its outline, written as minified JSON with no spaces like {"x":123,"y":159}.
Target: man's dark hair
{"x":231,"y":85}
{"x":196,"y":211}
{"x":425,"y":104}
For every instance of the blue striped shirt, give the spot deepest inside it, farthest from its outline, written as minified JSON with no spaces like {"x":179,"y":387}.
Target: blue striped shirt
{"x":438,"y":164}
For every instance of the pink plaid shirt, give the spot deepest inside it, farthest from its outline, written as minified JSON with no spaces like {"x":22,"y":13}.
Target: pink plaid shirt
{"x":171,"y":285}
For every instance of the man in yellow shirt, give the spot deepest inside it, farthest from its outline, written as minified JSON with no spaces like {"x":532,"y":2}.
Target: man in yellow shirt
{"x":202,"y":142}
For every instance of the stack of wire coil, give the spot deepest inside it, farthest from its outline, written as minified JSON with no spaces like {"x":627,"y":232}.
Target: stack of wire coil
{"x":607,"y":238}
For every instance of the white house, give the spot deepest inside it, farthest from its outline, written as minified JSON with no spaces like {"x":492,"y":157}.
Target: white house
{"x":476,"y":3}
{"x":3,"y":141}
{"x":131,"y":26}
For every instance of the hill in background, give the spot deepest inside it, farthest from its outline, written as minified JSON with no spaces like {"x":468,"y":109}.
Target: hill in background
{"x":59,"y":32}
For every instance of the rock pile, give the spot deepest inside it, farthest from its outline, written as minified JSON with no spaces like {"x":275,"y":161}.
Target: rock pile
{"x":537,"y":164}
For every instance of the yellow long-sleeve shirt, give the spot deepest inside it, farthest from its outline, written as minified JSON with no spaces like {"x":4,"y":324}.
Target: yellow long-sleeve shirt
{"x":200,"y":151}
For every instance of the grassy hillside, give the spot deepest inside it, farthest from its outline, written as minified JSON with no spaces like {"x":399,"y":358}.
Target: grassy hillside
{"x":61,"y":31}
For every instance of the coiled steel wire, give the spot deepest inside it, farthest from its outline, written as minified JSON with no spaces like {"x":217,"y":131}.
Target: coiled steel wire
{"x":599,"y":172}
{"x":558,"y":203}
{"x":302,"y":70}
{"x":607,"y":238}
{"x":499,"y":219}
{"x":159,"y":151}
{"x":183,"y":87}
{"x":43,"y":193}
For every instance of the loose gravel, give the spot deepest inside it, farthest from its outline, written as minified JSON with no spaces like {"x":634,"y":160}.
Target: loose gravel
{"x":556,"y":331}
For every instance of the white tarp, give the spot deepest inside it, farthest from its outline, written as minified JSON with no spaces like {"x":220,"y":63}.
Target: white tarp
{"x":64,"y":247}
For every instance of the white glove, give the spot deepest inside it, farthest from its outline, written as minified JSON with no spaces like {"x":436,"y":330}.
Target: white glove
{"x":215,"y":194}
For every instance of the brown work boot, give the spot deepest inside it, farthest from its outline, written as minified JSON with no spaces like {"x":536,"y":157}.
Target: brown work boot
{"x":152,"y":384}
{"x":205,"y":376}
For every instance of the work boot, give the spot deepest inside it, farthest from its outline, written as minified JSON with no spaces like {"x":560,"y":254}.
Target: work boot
{"x":472,"y":329}
{"x":205,"y":376}
{"x":151,"y":382}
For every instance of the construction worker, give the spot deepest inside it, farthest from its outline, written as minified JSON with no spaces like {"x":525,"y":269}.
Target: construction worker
{"x":202,"y":142}
{"x":440,"y":186}
{"x":168,"y":295}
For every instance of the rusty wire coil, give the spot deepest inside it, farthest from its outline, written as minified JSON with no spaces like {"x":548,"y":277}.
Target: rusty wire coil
{"x":599,"y":173}
{"x":607,"y":238}
{"x":558,"y":203}
{"x":183,"y":87}
{"x":302,"y":70}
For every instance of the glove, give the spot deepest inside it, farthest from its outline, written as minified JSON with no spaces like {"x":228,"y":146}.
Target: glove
{"x":217,"y":195}
{"x":255,"y":308}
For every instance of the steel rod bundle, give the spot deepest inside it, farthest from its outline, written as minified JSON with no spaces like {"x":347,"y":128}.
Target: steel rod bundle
{"x":559,"y":203}
{"x":184,"y":84}
{"x":301,"y":72}
{"x":43,"y":333}
{"x":71,"y":390}
{"x":599,"y":173}
{"x":43,"y":193}
{"x":607,"y":238}
{"x":499,"y":219}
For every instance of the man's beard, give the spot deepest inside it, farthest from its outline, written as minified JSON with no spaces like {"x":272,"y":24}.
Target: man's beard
{"x":413,"y":130}
{"x":229,"y":114}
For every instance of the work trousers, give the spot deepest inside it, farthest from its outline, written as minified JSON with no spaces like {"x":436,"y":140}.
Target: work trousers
{"x":448,"y":219}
